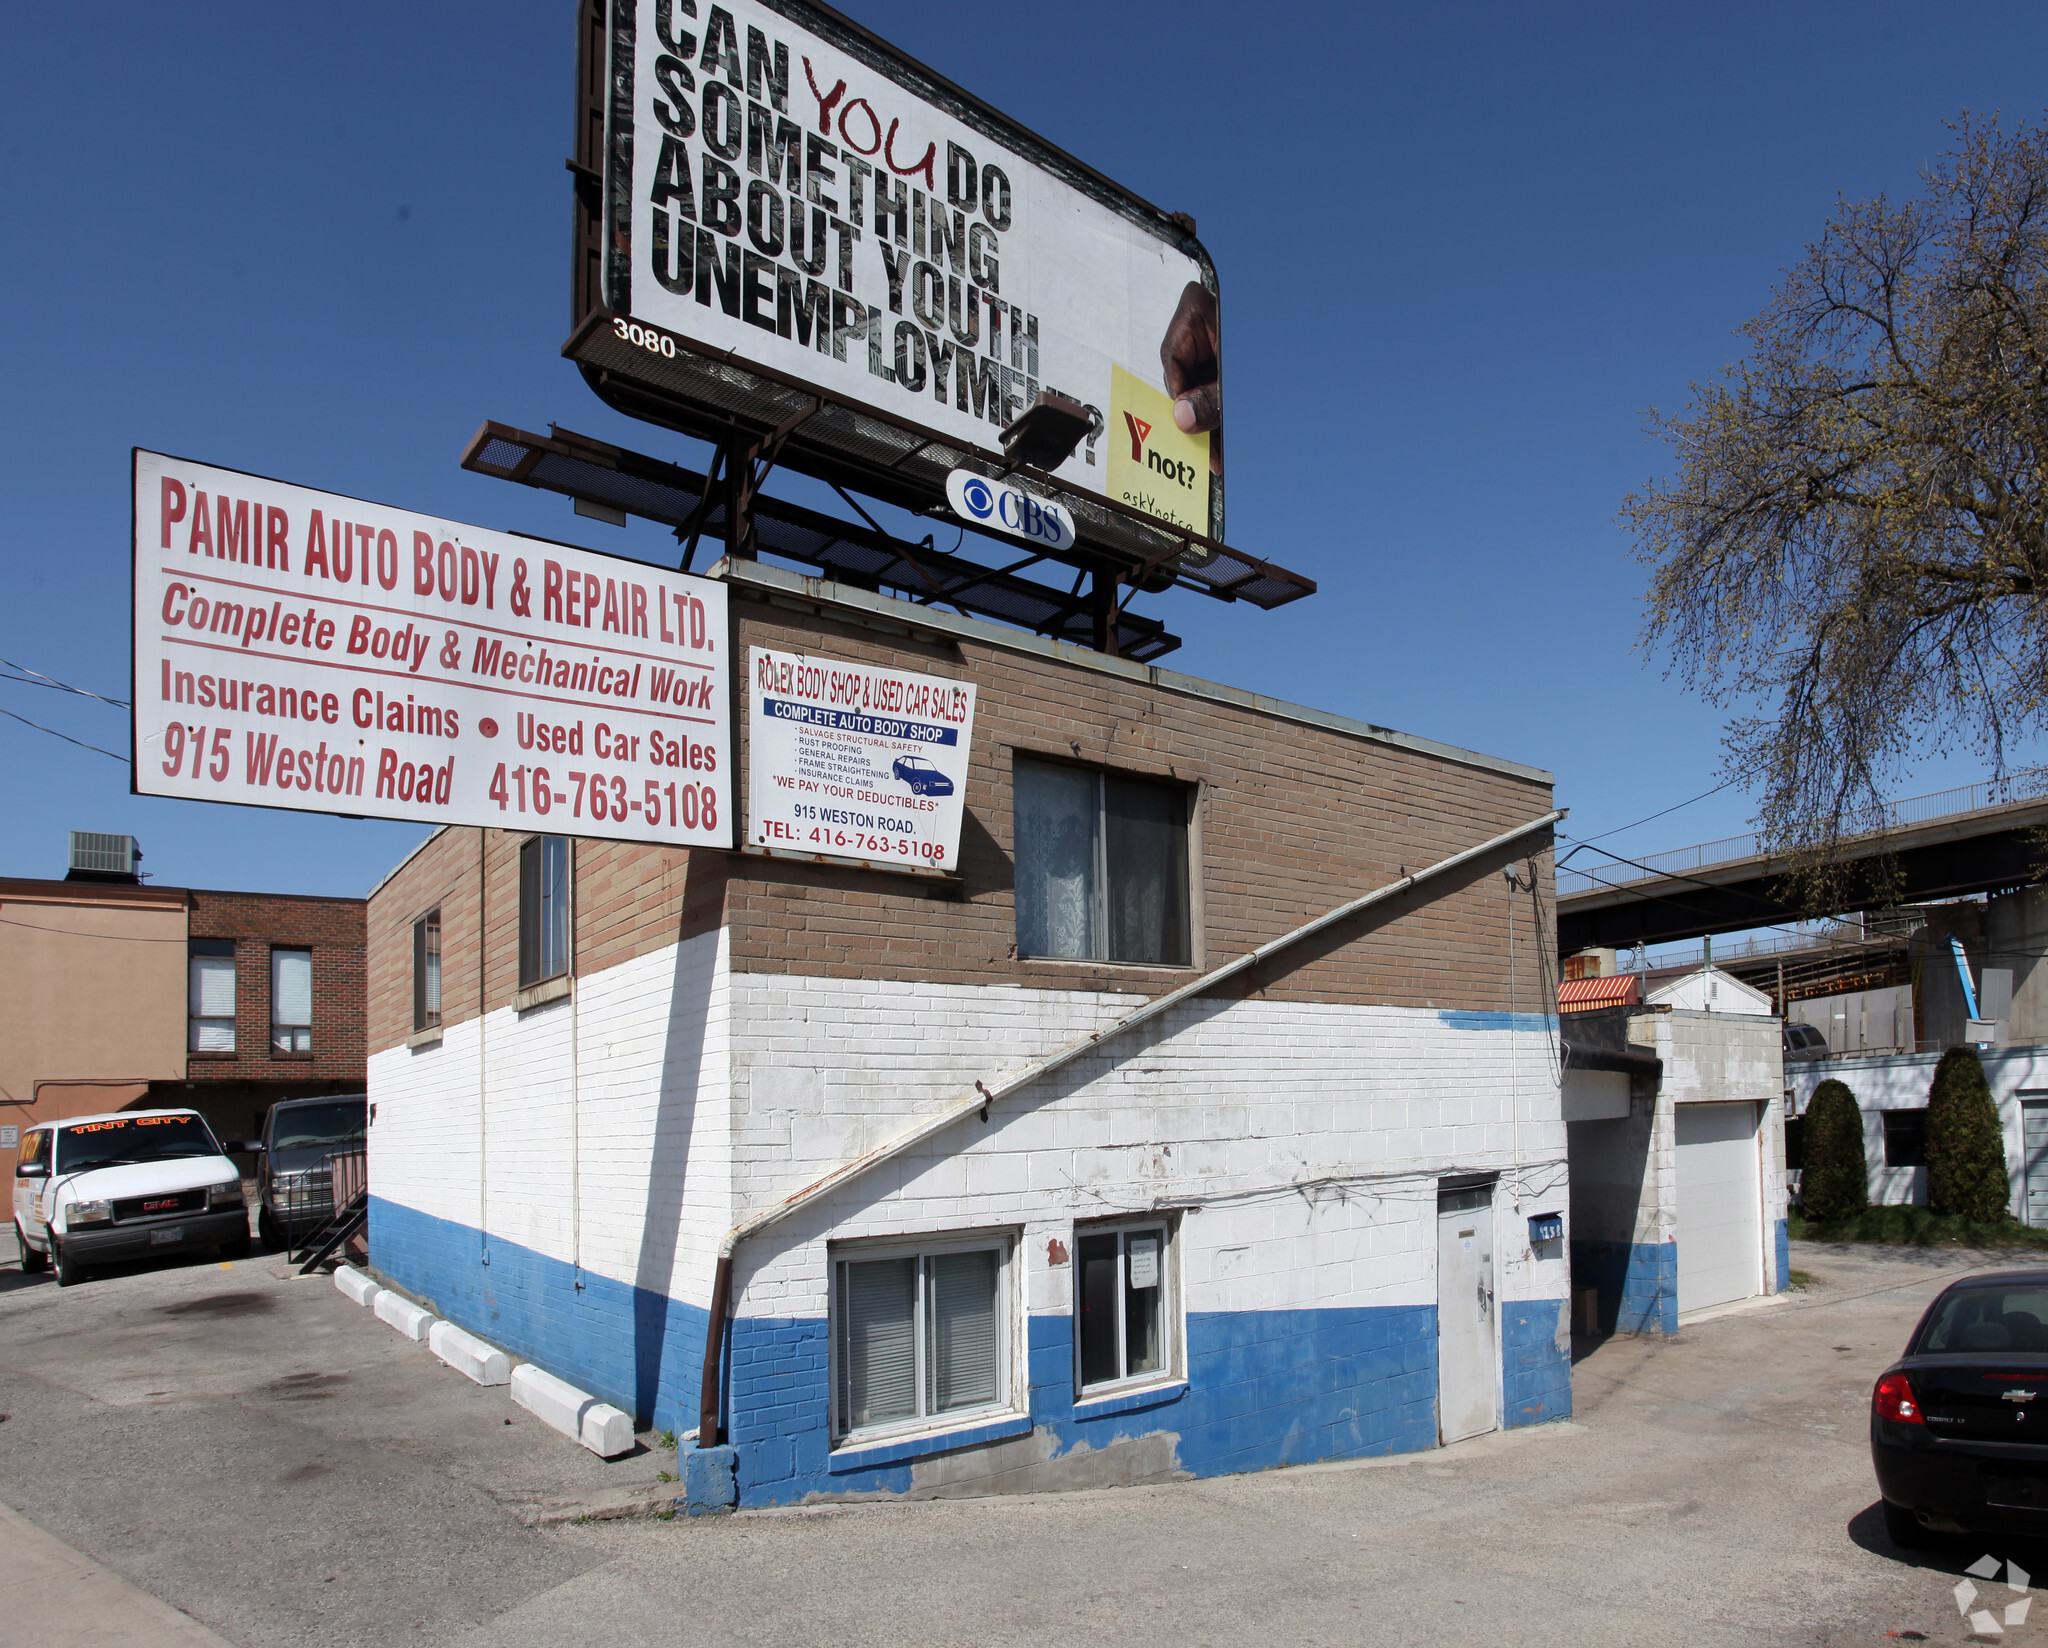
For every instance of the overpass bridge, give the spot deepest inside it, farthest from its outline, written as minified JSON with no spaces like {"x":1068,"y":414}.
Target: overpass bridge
{"x":1979,"y":838}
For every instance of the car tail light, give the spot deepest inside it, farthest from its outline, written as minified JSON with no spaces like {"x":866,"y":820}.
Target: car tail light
{"x":1894,"y":1399}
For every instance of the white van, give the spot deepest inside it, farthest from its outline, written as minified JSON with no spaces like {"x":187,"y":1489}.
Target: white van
{"x":96,"y":1190}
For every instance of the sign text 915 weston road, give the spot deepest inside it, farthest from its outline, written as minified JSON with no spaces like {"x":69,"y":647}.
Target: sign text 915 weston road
{"x":301,"y":649}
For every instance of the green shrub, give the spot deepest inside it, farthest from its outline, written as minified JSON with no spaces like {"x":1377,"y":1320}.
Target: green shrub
{"x":1916,"y":1227}
{"x":1966,"y":1175}
{"x":1834,"y":1183}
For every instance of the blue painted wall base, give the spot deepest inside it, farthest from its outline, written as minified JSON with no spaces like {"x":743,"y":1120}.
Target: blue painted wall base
{"x":1263,"y":1388}
{"x":1637,"y":1282}
{"x":1536,"y":1363}
{"x":636,"y":1349}
{"x":710,"y":1487}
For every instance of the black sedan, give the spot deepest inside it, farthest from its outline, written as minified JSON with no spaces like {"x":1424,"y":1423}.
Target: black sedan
{"x":1959,"y":1424}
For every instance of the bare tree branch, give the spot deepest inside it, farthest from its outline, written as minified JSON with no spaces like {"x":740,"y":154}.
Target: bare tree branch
{"x":1857,"y":531}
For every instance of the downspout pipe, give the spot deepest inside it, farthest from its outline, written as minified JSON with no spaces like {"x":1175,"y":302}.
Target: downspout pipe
{"x":983,"y":1095}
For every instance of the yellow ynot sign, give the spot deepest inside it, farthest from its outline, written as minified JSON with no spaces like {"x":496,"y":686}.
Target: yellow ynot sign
{"x":1152,"y":465}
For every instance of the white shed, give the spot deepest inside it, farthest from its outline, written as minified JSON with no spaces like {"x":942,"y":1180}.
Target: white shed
{"x":1712,"y":991}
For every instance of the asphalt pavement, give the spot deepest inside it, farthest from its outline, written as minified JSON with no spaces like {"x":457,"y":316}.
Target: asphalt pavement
{"x":275,"y":1464}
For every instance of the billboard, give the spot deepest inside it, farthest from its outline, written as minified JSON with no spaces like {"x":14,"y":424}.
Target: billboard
{"x":852,"y":761}
{"x":789,"y":193}
{"x":301,"y":649}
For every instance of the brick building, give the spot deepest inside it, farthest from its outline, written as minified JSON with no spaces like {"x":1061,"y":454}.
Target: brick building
{"x":1307,"y":1213}
{"x":126,"y":996}
{"x":322,"y":1051}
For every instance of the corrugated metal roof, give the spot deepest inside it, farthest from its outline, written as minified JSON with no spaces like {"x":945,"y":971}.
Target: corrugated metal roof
{"x":1615,"y":990}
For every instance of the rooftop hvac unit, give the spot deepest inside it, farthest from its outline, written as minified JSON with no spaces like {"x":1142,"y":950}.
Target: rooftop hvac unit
{"x":96,"y":857}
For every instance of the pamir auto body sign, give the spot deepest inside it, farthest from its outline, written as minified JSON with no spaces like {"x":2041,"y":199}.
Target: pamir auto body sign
{"x":857,"y":762}
{"x":303,"y":649}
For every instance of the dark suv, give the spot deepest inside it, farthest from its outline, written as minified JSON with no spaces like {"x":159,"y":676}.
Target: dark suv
{"x":294,"y":1186}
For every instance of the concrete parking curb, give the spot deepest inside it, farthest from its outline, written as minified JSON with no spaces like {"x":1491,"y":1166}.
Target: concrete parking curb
{"x":600,"y":1427}
{"x":605,"y":1430}
{"x":357,"y":1286}
{"x":469,"y":1355}
{"x":412,"y":1320}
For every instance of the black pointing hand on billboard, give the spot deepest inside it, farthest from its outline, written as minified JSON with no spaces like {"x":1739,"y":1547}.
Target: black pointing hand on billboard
{"x":1190,"y":355}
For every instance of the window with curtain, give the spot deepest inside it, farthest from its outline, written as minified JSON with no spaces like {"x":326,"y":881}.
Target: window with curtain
{"x":291,"y":1001}
{"x":919,"y":1336}
{"x":426,"y":971}
{"x":1102,"y":866}
{"x":1124,"y":1297}
{"x":211,"y":995}
{"x":543,"y":909}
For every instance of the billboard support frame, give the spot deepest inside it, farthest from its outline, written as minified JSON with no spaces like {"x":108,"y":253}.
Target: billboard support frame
{"x":690,"y":506}
{"x":1156,"y":542}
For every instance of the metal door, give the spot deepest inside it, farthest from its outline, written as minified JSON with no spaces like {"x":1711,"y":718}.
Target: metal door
{"x":2034,"y":1141}
{"x":1467,"y":1364}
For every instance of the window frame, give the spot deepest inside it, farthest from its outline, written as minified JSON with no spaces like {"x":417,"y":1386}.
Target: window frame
{"x":1004,"y":1244}
{"x":533,"y":906}
{"x":1905,"y":1132}
{"x":292,"y":1052}
{"x":424,"y":1017}
{"x":1101,"y":919}
{"x":213,"y":949}
{"x":1173,"y":1361}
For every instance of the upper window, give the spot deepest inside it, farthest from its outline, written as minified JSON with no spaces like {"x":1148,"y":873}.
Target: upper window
{"x":1905,"y":1138}
{"x":1125,"y":1301}
{"x":291,"y":1001}
{"x":543,"y":909}
{"x":1102,"y":866}
{"x":426,"y":971}
{"x":919,"y":1335}
{"x":211,"y":996}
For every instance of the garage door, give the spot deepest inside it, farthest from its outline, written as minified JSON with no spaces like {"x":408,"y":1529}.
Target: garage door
{"x":1720,"y":1219}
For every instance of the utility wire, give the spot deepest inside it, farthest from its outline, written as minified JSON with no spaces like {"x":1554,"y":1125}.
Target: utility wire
{"x":52,"y":681}
{"x":54,"y":733}
{"x":1674,"y":875}
{"x":1604,"y":834}
{"x":1679,"y":903}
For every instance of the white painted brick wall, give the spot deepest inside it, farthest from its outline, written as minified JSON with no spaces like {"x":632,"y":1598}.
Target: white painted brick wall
{"x":1224,"y":1106}
{"x":759,"y":1084}
{"x":651,"y":1058}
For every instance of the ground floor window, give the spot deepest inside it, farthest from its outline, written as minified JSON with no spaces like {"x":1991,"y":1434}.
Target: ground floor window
{"x":919,"y":1334}
{"x":1905,"y":1138}
{"x":1124,"y":1306}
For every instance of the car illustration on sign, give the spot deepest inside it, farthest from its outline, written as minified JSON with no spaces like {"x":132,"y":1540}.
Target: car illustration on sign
{"x":922,"y":776}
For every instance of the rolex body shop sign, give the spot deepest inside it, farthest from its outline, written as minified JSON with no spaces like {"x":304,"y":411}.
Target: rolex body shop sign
{"x":300,"y":649}
{"x":850,"y":761}
{"x":793,"y":194}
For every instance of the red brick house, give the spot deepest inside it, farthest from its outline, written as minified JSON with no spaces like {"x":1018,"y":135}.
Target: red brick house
{"x":128,"y":996}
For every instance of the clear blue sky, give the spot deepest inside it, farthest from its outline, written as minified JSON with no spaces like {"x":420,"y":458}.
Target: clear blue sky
{"x":1462,"y":249}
